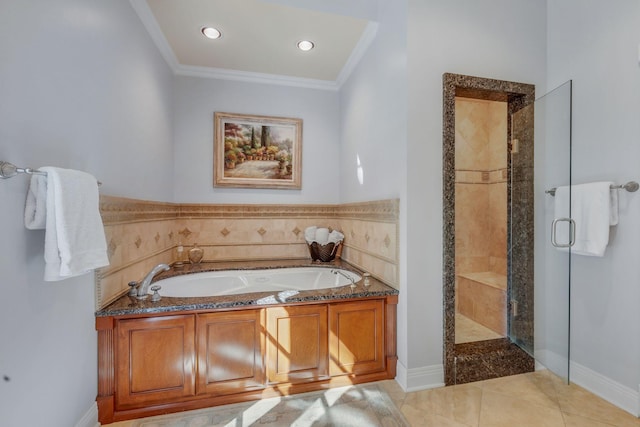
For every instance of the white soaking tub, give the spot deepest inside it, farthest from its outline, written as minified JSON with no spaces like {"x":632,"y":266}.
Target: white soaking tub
{"x":231,"y":282}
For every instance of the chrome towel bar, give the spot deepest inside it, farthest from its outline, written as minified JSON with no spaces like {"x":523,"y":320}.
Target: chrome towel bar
{"x":630,"y":186}
{"x":8,"y":170}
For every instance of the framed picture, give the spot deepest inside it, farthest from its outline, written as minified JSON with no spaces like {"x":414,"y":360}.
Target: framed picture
{"x":257,"y":151}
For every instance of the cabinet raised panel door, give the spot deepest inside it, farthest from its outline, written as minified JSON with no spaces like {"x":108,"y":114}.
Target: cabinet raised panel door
{"x":230,"y":352}
{"x":297,"y":344}
{"x":155,"y":360}
{"x":356,"y":337}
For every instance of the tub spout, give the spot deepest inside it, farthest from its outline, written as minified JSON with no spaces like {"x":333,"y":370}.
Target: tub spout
{"x":349,"y":278}
{"x":143,"y":287}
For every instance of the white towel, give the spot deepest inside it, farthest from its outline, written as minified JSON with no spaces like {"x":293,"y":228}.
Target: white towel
{"x":74,"y":238}
{"x":310,"y":234}
{"x":594,"y":209}
{"x":35,"y":211}
{"x":335,"y":237}
{"x":322,"y":236}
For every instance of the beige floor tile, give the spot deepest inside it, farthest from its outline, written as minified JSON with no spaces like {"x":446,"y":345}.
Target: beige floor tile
{"x":538,"y":399}
{"x":576,"y":400}
{"x":501,"y":410}
{"x":469,"y":331}
{"x":459,"y":403}
{"x":394,"y":391}
{"x":418,"y":418}
{"x":572,"y":420}
{"x":533,"y":388}
{"x":121,"y":424}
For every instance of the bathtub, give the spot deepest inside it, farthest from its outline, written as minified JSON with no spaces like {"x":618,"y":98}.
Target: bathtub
{"x":254,"y":330}
{"x":232,"y":282}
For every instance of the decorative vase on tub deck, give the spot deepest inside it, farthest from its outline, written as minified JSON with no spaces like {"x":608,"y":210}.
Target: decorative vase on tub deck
{"x":195,"y":254}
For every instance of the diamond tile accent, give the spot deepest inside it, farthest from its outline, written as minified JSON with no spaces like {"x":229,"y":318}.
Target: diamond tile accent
{"x":138,"y":242}
{"x":171,"y":235}
{"x":387,"y":241}
{"x":225,"y":232}
{"x":111,"y":248}
{"x":262,"y":231}
{"x":367,"y":237}
{"x":185,"y":233}
{"x":157,"y":238}
{"x":296,"y":231}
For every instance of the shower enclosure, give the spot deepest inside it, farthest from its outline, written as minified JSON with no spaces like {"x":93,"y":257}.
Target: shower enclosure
{"x":552,"y":160}
{"x":501,"y":150}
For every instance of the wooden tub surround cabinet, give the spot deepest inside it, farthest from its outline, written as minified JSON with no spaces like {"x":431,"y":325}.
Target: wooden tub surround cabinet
{"x":168,"y":359}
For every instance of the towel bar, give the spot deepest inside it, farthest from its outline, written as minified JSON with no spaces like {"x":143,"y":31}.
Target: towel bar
{"x":8,"y":170}
{"x":630,"y":186}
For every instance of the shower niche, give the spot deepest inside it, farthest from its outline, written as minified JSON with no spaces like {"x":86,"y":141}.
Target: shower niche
{"x":488,"y":227}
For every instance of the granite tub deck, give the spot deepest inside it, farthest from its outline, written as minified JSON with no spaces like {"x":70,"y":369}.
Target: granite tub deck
{"x":126,"y":305}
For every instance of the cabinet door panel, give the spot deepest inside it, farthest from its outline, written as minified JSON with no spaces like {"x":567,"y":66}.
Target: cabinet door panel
{"x":356,"y":339}
{"x":230,"y":352}
{"x":155,"y":360}
{"x":297,"y":343}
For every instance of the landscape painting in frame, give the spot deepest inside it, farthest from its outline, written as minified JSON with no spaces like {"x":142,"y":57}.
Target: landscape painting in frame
{"x":257,"y":151}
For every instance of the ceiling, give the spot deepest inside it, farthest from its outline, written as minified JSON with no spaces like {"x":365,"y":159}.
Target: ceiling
{"x":259,"y":38}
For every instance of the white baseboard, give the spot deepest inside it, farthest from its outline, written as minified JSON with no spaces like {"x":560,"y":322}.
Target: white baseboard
{"x":623,"y":397}
{"x":547,"y":359}
{"x":90,"y":418}
{"x":613,"y":392}
{"x":422,"y":378}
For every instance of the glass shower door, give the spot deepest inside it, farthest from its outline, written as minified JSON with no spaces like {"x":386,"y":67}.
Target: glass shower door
{"x":539,"y":288}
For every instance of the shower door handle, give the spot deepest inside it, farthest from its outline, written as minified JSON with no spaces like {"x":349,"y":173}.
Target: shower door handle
{"x":572,"y":233}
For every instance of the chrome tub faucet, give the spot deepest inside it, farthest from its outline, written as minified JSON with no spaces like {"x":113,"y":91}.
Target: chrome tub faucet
{"x":143,"y":286}
{"x":349,"y":278}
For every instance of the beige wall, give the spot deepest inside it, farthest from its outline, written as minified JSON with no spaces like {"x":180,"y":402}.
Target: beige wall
{"x":141,"y":234}
{"x":481,"y":186}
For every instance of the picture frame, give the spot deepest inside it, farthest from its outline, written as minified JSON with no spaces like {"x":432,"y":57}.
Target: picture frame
{"x":252,"y":151}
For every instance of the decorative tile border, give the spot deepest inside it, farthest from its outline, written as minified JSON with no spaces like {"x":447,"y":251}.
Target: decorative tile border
{"x":383,"y":210}
{"x":117,"y":210}
{"x":481,"y":177}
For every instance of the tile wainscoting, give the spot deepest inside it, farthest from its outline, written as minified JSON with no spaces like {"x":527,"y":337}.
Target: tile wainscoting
{"x":141,"y":234}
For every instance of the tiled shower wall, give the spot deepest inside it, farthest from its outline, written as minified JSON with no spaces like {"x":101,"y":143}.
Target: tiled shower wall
{"x":481,"y":186}
{"x":141,"y":234}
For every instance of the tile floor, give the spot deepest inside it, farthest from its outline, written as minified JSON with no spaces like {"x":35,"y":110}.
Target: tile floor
{"x":538,"y":399}
{"x":467,"y":330}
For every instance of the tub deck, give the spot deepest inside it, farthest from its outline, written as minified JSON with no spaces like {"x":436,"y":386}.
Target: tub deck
{"x":126,"y":305}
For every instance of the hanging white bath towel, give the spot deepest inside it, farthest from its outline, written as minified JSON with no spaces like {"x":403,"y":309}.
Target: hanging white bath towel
{"x":74,"y":238}
{"x":594,"y":208}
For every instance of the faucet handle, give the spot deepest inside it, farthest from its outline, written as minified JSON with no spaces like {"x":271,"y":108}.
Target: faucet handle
{"x":132,"y":288}
{"x":156,"y":296}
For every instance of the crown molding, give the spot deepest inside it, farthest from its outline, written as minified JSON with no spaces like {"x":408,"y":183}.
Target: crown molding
{"x":149,"y":21}
{"x":368,"y":35}
{"x":251,"y":77}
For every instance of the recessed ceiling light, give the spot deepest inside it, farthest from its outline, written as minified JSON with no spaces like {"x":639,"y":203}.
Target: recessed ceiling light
{"x":305,"y":45}
{"x":211,"y":33}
